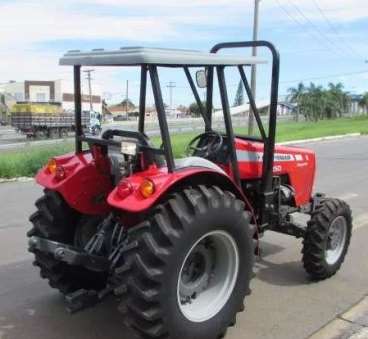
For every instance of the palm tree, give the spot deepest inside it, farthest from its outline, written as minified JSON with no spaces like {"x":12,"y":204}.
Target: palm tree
{"x":338,"y":99}
{"x":294,"y":96}
{"x":316,"y":102}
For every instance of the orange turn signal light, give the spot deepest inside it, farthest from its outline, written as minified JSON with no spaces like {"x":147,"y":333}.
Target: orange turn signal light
{"x":147,"y":188}
{"x":52,"y":166}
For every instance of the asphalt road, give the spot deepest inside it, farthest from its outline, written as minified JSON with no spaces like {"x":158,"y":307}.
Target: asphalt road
{"x":284,"y":303}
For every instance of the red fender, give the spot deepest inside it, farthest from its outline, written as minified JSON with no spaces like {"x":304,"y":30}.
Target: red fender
{"x":85,"y":186}
{"x":165,"y":182}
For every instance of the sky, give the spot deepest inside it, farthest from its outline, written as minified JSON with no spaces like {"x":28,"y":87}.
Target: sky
{"x":319,"y":40}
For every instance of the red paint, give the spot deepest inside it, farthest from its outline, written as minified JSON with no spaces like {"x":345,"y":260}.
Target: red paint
{"x":162,"y":180}
{"x":84,"y":188}
{"x":300,"y":172}
{"x":87,"y":186}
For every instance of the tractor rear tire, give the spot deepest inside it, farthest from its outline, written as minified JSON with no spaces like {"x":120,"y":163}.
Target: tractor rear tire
{"x":55,"y":220}
{"x":327,"y":239}
{"x":175,"y":280}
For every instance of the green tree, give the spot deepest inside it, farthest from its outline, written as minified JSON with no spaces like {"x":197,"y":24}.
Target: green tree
{"x":128,"y":104}
{"x":239,"y":96}
{"x":194,"y":108}
{"x":316,"y":102}
{"x":295,"y":96}
{"x":337,"y":100}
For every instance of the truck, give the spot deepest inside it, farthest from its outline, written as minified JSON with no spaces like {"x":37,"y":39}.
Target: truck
{"x":45,"y":119}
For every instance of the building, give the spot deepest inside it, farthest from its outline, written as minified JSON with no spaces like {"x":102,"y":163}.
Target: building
{"x":285,"y":108}
{"x":355,"y":104}
{"x":123,"y":110}
{"x":51,"y":91}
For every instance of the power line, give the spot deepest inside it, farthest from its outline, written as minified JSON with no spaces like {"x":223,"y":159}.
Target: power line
{"x":335,"y":31}
{"x":299,"y":23}
{"x":315,"y":33}
{"x":324,"y":77}
{"x":318,"y":30}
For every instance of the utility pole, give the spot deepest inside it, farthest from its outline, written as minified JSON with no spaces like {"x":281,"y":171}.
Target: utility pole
{"x":126,"y":97}
{"x":171,"y":85}
{"x":89,"y":78}
{"x":253,"y":81}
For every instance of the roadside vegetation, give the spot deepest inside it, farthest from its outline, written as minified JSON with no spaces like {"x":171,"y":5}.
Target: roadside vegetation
{"x":315,"y":102}
{"x":27,"y":161}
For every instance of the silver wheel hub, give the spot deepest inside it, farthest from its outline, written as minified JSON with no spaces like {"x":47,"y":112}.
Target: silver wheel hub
{"x":196,"y":272}
{"x":208,"y":276}
{"x":336,"y":240}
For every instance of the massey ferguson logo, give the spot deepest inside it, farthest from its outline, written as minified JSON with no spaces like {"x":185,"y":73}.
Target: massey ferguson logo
{"x":258,"y":156}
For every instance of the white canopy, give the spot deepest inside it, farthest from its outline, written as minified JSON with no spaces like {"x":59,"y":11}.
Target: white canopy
{"x":128,"y":56}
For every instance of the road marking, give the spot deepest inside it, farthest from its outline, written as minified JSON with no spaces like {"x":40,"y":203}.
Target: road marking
{"x":348,"y":196}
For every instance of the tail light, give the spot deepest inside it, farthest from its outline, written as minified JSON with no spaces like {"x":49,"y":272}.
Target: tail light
{"x":60,"y":172}
{"x":124,"y":189}
{"x":57,"y":170}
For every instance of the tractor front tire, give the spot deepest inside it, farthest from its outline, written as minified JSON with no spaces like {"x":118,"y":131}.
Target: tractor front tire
{"x":327,"y":238}
{"x":55,"y":220}
{"x":188,"y":267}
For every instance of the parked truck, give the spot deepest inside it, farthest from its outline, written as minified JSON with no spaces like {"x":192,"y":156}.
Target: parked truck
{"x":45,"y":120}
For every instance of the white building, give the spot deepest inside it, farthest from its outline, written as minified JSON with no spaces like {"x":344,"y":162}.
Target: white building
{"x":51,"y":91}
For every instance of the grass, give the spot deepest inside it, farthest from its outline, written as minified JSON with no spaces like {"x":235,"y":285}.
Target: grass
{"x":27,"y":161}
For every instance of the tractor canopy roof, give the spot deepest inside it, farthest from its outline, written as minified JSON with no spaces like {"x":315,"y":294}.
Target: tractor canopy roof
{"x":130,"y":56}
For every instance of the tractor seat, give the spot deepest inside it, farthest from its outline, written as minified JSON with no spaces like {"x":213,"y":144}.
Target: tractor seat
{"x":196,"y":162}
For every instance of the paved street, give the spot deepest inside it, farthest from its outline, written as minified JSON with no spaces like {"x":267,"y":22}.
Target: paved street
{"x":283,"y":305}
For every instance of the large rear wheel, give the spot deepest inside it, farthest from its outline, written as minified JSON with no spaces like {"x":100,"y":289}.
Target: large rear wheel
{"x":55,"y":220}
{"x":187,"y":268}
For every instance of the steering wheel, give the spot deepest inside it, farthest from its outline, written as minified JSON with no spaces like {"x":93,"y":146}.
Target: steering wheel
{"x":214,"y":141}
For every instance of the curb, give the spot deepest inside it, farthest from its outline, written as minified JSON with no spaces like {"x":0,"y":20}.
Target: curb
{"x":352,"y":324}
{"x":17,"y":179}
{"x":332,"y":137}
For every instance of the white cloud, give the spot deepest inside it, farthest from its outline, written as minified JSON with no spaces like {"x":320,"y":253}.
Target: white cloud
{"x":25,"y":25}
{"x":31,"y":22}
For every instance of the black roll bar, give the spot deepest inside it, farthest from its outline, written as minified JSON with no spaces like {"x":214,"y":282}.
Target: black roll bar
{"x":228,"y":123}
{"x":156,"y":88}
{"x":252,"y":102}
{"x":269,"y":141}
{"x":142,"y":98}
{"x":197,"y":98}
{"x":78,"y":108}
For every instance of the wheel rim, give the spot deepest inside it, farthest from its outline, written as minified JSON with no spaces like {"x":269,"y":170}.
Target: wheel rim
{"x":207,"y":276}
{"x":336,"y":240}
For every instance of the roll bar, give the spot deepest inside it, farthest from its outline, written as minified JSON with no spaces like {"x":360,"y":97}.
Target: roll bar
{"x":269,"y":140}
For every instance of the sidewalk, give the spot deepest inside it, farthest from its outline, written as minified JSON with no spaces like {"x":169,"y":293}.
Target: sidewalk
{"x":353,"y":324}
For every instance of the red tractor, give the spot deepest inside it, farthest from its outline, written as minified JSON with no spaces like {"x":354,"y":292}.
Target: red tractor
{"x":175,"y":239}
